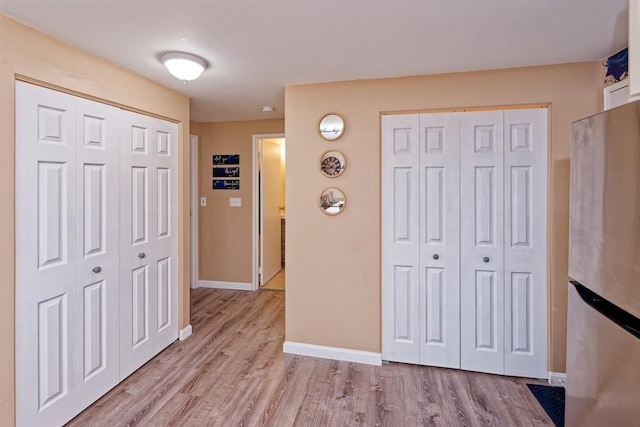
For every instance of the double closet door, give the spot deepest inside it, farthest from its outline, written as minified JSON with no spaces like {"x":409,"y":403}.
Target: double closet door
{"x":464,"y":206}
{"x":96,"y":249}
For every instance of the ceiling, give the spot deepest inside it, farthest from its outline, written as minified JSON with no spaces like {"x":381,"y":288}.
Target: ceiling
{"x":257,"y":47}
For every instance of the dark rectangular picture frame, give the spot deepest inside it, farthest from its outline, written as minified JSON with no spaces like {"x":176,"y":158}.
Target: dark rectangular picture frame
{"x":224,"y":172}
{"x":226,"y":184}
{"x":226,"y":159}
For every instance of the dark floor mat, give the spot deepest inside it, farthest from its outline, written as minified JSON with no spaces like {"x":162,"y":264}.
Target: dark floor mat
{"x":552,"y":401}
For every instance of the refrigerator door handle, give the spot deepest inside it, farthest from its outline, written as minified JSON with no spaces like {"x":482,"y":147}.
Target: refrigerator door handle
{"x":622,"y":318}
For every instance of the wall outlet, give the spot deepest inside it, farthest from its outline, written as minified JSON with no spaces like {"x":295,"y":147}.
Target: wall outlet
{"x":203,"y":201}
{"x":235,"y":202}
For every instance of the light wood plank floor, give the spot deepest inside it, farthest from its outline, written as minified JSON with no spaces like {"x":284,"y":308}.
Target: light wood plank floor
{"x":232,"y":372}
{"x":277,"y":282}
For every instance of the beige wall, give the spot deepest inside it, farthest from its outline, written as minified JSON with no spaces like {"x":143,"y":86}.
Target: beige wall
{"x":34,"y":55}
{"x":225,"y":232}
{"x":340,"y":305}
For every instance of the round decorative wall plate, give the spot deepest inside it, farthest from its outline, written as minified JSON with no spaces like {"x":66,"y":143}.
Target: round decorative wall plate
{"x":332,"y":201}
{"x":331,"y":127}
{"x":332,"y":164}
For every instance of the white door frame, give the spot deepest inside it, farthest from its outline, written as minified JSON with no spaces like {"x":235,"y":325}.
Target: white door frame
{"x":256,"y":192}
{"x":195,"y":206}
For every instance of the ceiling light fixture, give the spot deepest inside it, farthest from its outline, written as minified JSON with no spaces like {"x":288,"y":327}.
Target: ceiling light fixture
{"x":268,"y":109}
{"x":183,"y":66}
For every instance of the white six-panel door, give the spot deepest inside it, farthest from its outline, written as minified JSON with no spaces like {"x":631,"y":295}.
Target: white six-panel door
{"x":481,"y":257}
{"x":401,"y":238}
{"x":87,"y":303}
{"x":481,"y":246}
{"x":525,"y":242}
{"x":66,"y":237}
{"x":439,"y":240}
{"x":148,"y":239}
{"x":97,"y":290}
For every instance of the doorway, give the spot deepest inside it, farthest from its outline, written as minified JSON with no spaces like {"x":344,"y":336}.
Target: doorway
{"x":269,"y":213}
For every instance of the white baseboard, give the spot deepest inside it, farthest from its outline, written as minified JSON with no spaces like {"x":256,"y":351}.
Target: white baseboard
{"x":557,"y":378}
{"x":195,"y":284}
{"x":185,"y":333}
{"x":334,"y":353}
{"x":225,"y":285}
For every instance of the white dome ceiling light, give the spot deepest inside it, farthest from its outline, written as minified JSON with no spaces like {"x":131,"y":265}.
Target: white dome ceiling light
{"x":183,"y":66}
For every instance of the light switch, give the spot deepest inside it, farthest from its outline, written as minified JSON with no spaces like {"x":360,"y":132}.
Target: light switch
{"x":235,"y":202}
{"x":203,"y":201}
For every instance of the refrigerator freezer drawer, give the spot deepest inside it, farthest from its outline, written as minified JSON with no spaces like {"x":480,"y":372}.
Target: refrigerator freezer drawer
{"x":603,"y":369}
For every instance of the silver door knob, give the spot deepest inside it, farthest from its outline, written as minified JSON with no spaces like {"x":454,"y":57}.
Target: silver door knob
{"x":436,"y":256}
{"x":486,"y":259}
{"x":141,"y":255}
{"x":96,"y":269}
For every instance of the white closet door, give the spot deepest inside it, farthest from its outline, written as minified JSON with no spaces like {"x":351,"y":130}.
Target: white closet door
{"x":440,"y":240}
{"x":66,"y":324}
{"x":400,"y":239}
{"x":97,"y":251}
{"x":525,"y":242}
{"x":165,"y":144}
{"x":148,"y":292}
{"x":482,"y":250}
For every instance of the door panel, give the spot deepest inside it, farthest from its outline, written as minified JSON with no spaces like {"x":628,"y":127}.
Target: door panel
{"x":164,"y":208}
{"x":137,"y":279}
{"x":402,"y":299}
{"x":164,"y":293}
{"x":140,"y":306}
{"x":434,"y":194}
{"x":402,"y":204}
{"x":53,"y":208}
{"x":435,"y":307}
{"x":520,"y":214}
{"x":525,"y":251}
{"x":400,"y":239}
{"x":95,"y":326}
{"x":97,"y":264}
{"x":148,"y":245}
{"x":66,"y":166}
{"x":139,"y":205}
{"x":439,"y":249}
{"x":94,"y":208}
{"x":484,"y":209}
{"x":521,"y":304}
{"x":481,"y":240}
{"x":166,"y":258}
{"x":53,"y":355}
{"x":486,"y":310}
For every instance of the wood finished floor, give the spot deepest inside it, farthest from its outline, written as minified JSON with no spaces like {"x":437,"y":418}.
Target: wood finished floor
{"x":277,"y":282}
{"x":232,"y":372}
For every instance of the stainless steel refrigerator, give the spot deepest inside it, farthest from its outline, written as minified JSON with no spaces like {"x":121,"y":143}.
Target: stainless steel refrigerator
{"x":603,"y":325}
